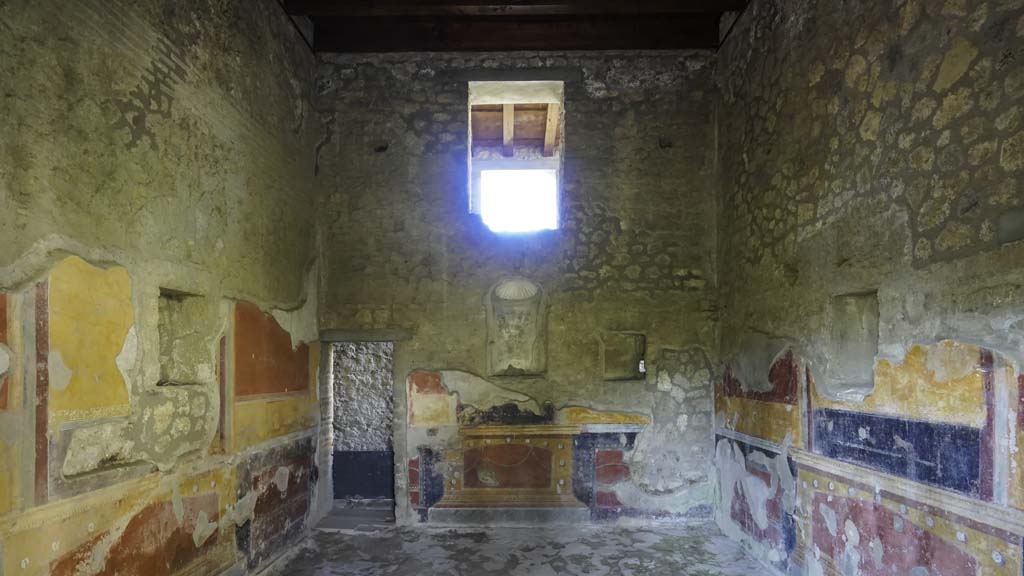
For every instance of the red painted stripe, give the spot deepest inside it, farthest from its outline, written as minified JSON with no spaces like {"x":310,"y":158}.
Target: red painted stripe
{"x":42,"y":392}
{"x":809,"y":435}
{"x":1020,"y":404}
{"x":222,"y":390}
{"x":987,"y":456}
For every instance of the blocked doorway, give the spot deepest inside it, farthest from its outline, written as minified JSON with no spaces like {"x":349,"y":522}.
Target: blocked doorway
{"x":363,"y":413}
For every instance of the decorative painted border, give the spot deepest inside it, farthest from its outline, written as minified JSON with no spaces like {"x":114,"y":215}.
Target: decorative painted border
{"x":1003,"y":523}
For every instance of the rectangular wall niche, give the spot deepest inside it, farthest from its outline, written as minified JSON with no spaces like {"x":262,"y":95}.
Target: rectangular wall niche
{"x":185,"y":355}
{"x":622,"y":354}
{"x":853,"y":345}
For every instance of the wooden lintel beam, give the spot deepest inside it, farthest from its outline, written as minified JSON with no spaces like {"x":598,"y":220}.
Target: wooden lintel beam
{"x":508,"y":129}
{"x":551,"y":128}
{"x":425,"y":34}
{"x":518,"y":8}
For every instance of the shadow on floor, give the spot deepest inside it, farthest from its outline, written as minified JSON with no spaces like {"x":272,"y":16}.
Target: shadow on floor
{"x":359,"y":515}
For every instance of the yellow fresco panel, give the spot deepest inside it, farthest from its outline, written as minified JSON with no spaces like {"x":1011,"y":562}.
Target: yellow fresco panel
{"x":771,"y":421}
{"x":432,"y":410}
{"x":8,"y":477}
{"x":940,"y":383}
{"x":90,"y":314}
{"x":256,"y":421}
{"x":580,"y":415}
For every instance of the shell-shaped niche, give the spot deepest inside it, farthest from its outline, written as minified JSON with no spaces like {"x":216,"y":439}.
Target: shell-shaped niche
{"x":513,"y":289}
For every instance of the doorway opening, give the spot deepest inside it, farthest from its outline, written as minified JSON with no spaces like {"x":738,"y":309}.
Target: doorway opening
{"x":363,"y":466}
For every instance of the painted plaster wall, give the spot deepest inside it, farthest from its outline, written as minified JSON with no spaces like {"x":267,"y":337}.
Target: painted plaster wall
{"x":635,"y":250}
{"x":873,"y":146}
{"x":155,"y":148}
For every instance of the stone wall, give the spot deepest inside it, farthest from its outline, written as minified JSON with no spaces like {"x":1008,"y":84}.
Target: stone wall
{"x":363,"y":396}
{"x":871,"y":285}
{"x":634,"y":252}
{"x":158,"y":344}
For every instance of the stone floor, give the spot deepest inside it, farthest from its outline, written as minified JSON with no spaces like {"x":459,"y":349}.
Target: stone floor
{"x":367,"y":548}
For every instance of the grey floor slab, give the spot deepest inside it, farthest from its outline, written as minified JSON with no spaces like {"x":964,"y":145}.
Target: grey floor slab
{"x":585,"y":550}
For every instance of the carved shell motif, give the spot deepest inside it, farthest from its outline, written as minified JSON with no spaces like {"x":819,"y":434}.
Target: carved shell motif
{"x":516,"y":289}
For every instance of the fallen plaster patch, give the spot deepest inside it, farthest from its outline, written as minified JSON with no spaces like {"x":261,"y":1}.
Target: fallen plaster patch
{"x":96,"y":561}
{"x":96,"y":447}
{"x":481,"y":394}
{"x":814,"y":567}
{"x":126,"y":358}
{"x":203,"y":530}
{"x":243,"y":511}
{"x":733,"y":476}
{"x":664,"y":381}
{"x":829,"y":515}
{"x":877,"y":552}
{"x":951,"y":362}
{"x":1001,"y":331}
{"x":60,"y":374}
{"x":301,"y":323}
{"x":169,"y":428}
{"x":5,"y":360}
{"x":281,"y":476}
{"x":163,"y":417}
{"x":177,"y":506}
{"x":754,"y":358}
{"x":680,"y":501}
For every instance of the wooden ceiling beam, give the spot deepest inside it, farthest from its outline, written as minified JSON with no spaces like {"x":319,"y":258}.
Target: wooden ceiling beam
{"x":508,"y":129}
{"x":423,"y":34}
{"x":551,"y":128}
{"x":356,"y":8}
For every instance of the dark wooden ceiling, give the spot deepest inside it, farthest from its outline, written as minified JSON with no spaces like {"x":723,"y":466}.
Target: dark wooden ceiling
{"x":479,"y":25}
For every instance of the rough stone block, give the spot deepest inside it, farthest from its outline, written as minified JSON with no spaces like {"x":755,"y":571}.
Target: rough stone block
{"x":187,"y":328}
{"x":1010,"y":227}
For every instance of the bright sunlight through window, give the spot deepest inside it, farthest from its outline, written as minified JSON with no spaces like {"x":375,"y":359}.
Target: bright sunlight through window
{"x":519,"y":200}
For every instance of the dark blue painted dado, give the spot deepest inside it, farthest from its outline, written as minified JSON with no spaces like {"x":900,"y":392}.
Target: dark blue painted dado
{"x":431,"y":479}
{"x":584,"y":454}
{"x":943,"y":455}
{"x":364,"y":474}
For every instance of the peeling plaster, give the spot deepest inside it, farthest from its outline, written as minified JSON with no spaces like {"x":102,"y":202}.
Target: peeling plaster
{"x":97,"y":447}
{"x":203,"y":530}
{"x":678,"y":501}
{"x":5,"y":360}
{"x":243,"y":510}
{"x":752,"y":361}
{"x":177,"y":505}
{"x":829,"y":515}
{"x":481,"y":394}
{"x":733,"y":475}
{"x":60,"y":374}
{"x":128,"y":356}
{"x":302,"y":323}
{"x":281,"y":476}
